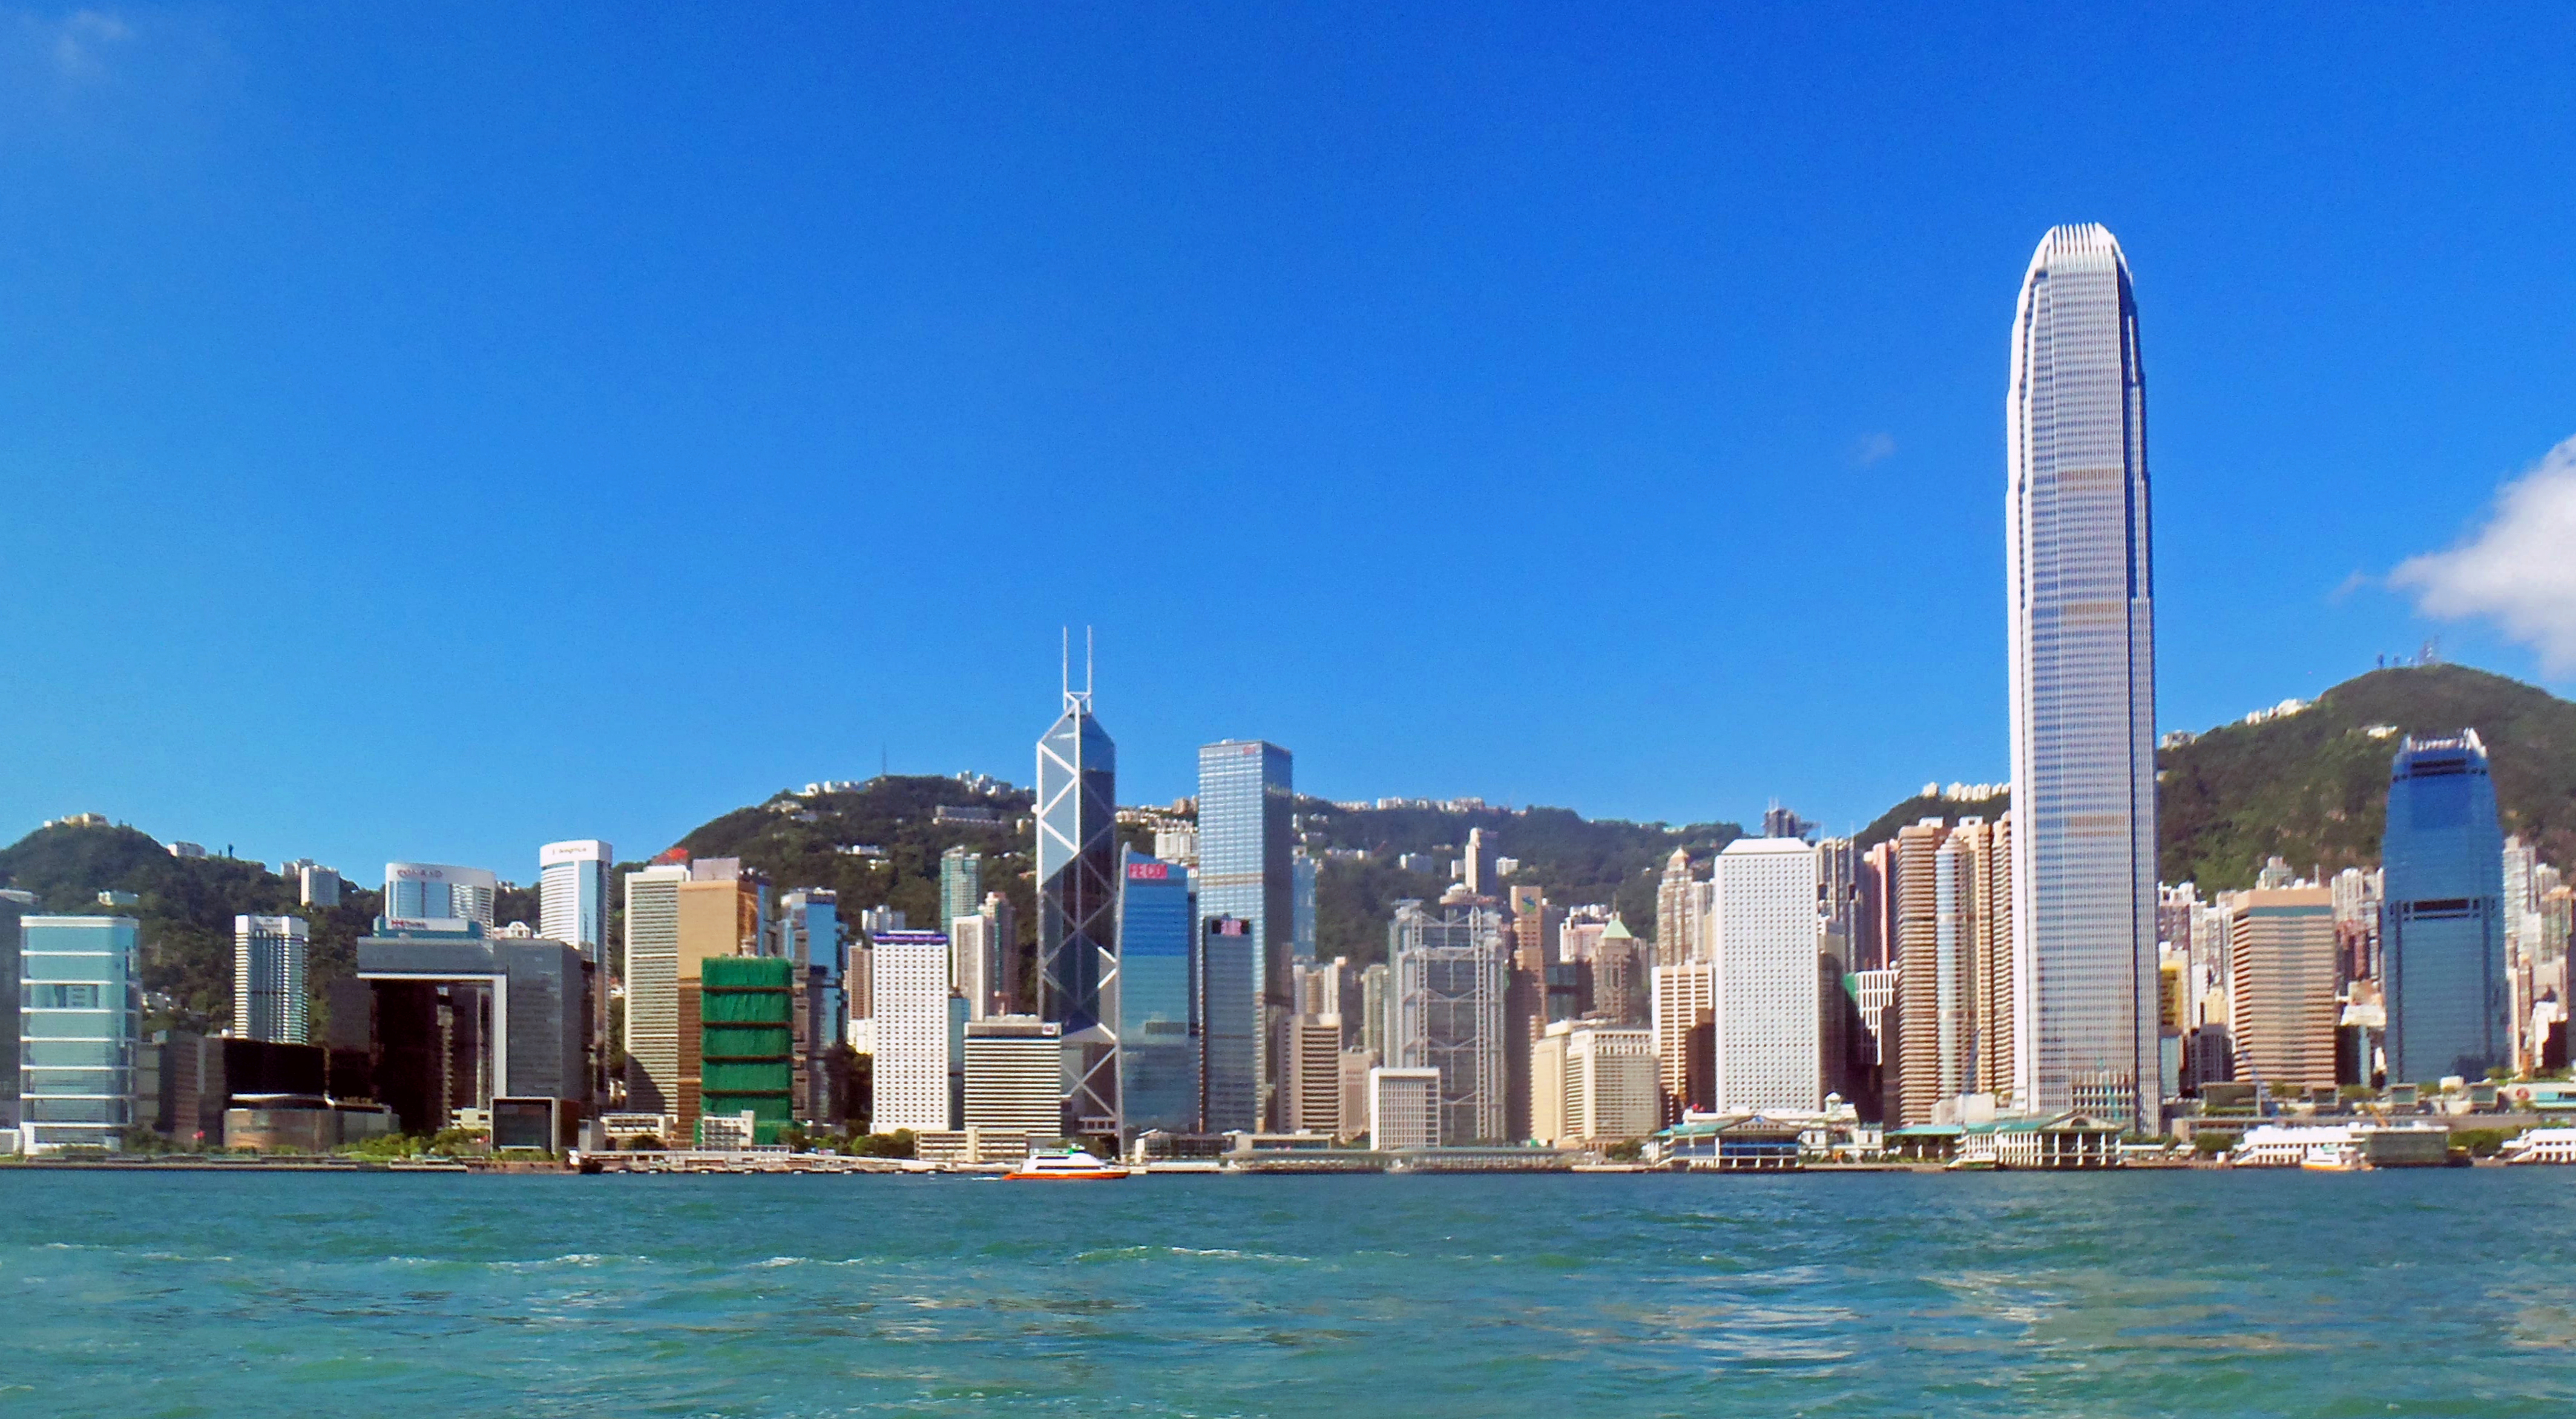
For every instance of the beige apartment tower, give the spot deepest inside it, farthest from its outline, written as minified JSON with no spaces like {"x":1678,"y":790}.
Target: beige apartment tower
{"x":2282,"y":984}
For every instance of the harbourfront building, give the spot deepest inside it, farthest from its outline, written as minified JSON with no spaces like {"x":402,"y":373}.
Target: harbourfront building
{"x":80,"y":1026}
{"x":1077,"y":889}
{"x":14,"y":906}
{"x":2441,"y":924}
{"x":2080,"y":598}
{"x":268,"y":978}
{"x":808,"y":936}
{"x":1014,"y":1070}
{"x":1593,"y":1083}
{"x":1765,"y":1050}
{"x":1685,"y":1015}
{"x":1246,"y":872}
{"x":1404,"y":1108}
{"x":1448,"y":980}
{"x":1158,"y":1038}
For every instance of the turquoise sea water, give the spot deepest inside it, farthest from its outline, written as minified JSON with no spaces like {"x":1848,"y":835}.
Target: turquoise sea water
{"x":2450,"y":1292}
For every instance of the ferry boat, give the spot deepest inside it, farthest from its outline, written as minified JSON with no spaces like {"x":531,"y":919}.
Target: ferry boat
{"x":1065,"y":1165}
{"x":2333,"y":1158}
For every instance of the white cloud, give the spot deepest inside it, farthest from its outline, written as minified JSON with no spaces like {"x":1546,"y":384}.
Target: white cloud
{"x":81,"y":40}
{"x":2519,"y":570}
{"x":1870,"y":448}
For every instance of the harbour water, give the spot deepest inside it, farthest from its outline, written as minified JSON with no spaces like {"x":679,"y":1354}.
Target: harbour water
{"x":2439,"y":1292}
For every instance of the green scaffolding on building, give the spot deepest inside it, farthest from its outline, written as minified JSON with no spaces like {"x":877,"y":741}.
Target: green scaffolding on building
{"x":746,"y":1051}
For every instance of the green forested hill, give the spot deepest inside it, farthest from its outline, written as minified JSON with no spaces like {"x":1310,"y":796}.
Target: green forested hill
{"x":186,"y":912}
{"x":2312,"y":787}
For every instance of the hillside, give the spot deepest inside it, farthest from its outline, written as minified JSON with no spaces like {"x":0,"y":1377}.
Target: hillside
{"x":2312,"y":787}
{"x":796,"y":841}
{"x":186,"y":912}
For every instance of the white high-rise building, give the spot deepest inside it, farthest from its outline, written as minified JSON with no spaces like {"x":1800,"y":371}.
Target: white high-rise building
{"x":920,"y":1034}
{"x":268,"y":979}
{"x":2081,"y":605}
{"x":1764,"y":1050}
{"x":572,"y":895}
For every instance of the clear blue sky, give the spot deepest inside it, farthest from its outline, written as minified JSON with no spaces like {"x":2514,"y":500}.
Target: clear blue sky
{"x":431,"y":434}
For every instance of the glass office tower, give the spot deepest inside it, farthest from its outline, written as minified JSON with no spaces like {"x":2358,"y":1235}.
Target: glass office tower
{"x":2441,"y":915}
{"x":1078,"y":910}
{"x":80,"y":1020}
{"x":2081,"y":606}
{"x":1229,"y":1010}
{"x":1247,"y":873}
{"x":1158,"y":1037}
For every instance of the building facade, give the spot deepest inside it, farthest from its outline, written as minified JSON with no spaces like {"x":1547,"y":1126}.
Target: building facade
{"x":1226,"y":976}
{"x":2283,"y":987}
{"x":1765,"y":1050}
{"x":433,"y":896}
{"x":1404,"y":1108}
{"x":1448,"y":978}
{"x":572,"y":895}
{"x":268,"y":978}
{"x":1158,"y":1032}
{"x":920,"y":1040}
{"x":2441,"y":915}
{"x":1247,"y":873}
{"x":961,"y":885}
{"x":1077,"y":889}
{"x":80,"y":1026}
{"x":2081,"y":608}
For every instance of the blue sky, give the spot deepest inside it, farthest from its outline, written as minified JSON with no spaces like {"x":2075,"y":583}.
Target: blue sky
{"x":432,"y":434}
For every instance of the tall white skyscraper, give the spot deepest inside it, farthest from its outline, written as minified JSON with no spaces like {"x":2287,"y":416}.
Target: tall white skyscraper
{"x":268,"y":978}
{"x":2081,"y":603}
{"x":572,"y":895}
{"x":1764,"y":1048}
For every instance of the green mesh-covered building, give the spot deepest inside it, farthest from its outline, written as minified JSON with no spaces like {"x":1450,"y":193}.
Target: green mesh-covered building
{"x":746,"y":1055}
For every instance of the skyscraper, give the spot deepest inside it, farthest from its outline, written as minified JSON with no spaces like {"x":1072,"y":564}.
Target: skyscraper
{"x":2441,"y":927}
{"x":14,"y":904}
{"x":1676,"y":921}
{"x":573,"y":907}
{"x":268,"y":978}
{"x":2281,"y":1004}
{"x":1245,"y":872}
{"x":920,"y":1046}
{"x":1302,"y":898}
{"x":1768,"y":1007}
{"x":652,"y":977}
{"x":1449,"y":977}
{"x":572,"y":895}
{"x":1158,"y":1038}
{"x":1229,"y":1013}
{"x":961,"y":885}
{"x":2080,"y":592}
{"x":1078,"y":909}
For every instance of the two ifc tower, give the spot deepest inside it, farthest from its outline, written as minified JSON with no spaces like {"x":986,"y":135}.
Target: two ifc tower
{"x":2080,"y":597}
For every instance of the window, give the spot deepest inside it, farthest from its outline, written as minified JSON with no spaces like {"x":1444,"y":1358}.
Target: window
{"x":61,"y":997}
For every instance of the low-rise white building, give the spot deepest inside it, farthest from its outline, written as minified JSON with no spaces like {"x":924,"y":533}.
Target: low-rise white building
{"x":1404,"y":1108}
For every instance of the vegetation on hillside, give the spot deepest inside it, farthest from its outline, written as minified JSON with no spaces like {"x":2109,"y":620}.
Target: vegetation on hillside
{"x":2312,"y":787}
{"x":185,"y":912}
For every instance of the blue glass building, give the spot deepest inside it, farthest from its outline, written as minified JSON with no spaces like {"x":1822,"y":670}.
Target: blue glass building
{"x":80,"y":1020}
{"x":1158,"y":1036}
{"x":1229,"y":1026}
{"x":1247,"y":874}
{"x":2442,"y":920}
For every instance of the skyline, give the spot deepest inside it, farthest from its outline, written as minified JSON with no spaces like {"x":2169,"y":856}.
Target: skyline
{"x":308,"y":436}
